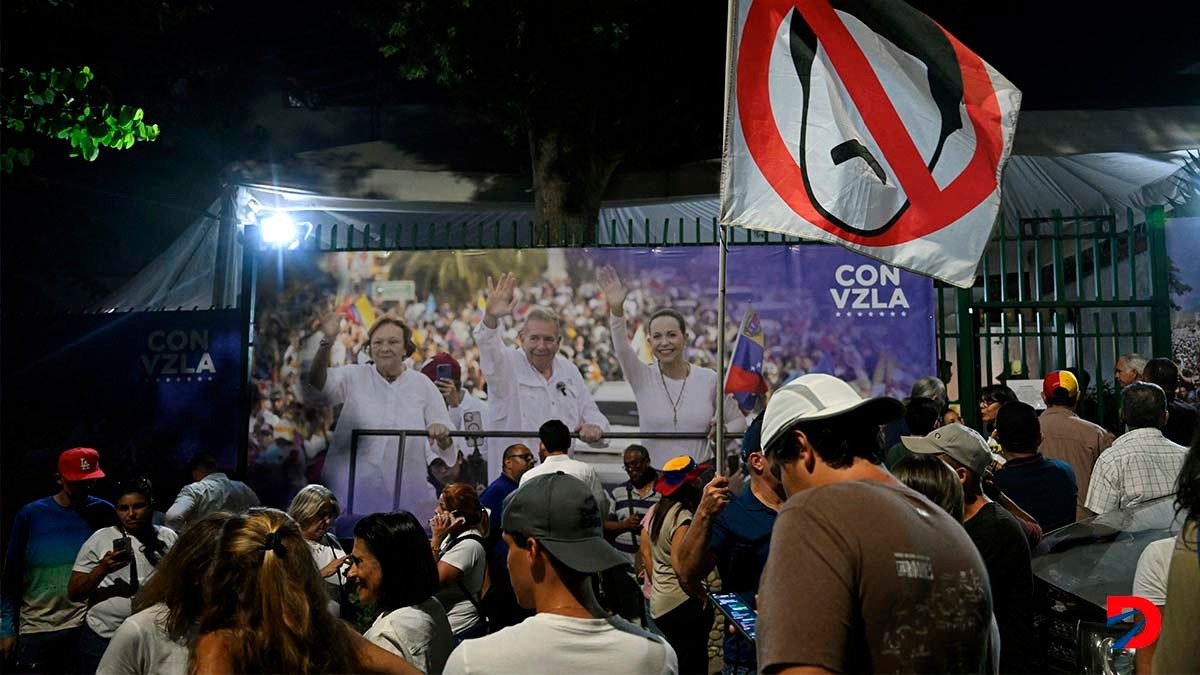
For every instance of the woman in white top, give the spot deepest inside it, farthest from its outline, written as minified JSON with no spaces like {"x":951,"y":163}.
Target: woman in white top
{"x":672,"y":394}
{"x":155,"y":639}
{"x":112,"y":564}
{"x":459,"y":528}
{"x":394,"y":572}
{"x":383,"y":395}
{"x":314,"y":508}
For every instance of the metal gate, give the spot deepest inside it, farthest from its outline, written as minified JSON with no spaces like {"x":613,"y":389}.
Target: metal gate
{"x":1057,"y":292}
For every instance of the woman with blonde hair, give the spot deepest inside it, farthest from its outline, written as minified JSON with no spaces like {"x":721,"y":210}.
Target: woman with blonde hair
{"x":264,"y":608}
{"x":314,"y":509}
{"x":459,"y":528}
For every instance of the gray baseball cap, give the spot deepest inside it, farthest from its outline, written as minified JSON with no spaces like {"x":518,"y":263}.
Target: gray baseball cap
{"x":560,"y":512}
{"x":961,"y":443}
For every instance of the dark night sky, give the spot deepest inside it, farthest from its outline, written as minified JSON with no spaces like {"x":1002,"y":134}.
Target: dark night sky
{"x":72,"y":231}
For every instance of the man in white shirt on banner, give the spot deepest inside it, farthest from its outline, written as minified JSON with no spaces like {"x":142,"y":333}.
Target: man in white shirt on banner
{"x":530,"y":385}
{"x":467,"y":413}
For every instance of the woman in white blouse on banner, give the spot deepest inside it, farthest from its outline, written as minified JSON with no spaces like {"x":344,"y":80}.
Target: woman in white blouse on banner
{"x":386,"y":394}
{"x":672,"y":394}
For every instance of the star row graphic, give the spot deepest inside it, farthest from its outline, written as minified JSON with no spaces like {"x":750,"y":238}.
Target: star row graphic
{"x":850,"y":315}
{"x":197,"y":378}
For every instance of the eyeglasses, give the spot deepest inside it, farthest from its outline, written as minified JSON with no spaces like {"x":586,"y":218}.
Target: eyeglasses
{"x":524,"y":458}
{"x":635,"y":463}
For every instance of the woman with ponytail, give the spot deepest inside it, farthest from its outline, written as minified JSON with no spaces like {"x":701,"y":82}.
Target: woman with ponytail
{"x":265,"y":608}
{"x":112,"y":564}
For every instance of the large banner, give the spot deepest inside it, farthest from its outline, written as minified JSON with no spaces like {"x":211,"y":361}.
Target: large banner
{"x":147,"y":389}
{"x":867,"y":125}
{"x":1183,"y":250}
{"x":821,"y":308}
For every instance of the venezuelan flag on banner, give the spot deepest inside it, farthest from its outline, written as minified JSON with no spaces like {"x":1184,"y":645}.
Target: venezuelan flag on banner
{"x":361,"y":311}
{"x":744,"y":379}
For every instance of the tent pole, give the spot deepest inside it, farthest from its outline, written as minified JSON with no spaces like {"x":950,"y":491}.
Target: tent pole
{"x":719,"y":454}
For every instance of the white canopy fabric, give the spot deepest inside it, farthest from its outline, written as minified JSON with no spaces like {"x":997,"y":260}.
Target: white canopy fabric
{"x":184,"y":275}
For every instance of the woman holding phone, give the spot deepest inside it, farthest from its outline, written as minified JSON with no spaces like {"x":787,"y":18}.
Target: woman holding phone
{"x":671,"y":394}
{"x":459,"y":528}
{"x":112,"y":564}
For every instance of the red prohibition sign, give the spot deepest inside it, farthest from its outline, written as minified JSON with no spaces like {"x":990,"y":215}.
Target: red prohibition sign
{"x":930,"y":207}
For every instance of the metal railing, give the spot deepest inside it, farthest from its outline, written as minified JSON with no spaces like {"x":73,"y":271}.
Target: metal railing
{"x":403,"y":435}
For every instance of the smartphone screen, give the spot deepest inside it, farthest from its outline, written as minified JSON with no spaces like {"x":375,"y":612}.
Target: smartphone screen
{"x":445,"y":372}
{"x":121,"y":544}
{"x":737,"y":611}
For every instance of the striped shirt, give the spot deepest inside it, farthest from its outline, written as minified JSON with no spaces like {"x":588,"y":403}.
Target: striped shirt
{"x":626,"y":500}
{"x":1141,"y":465}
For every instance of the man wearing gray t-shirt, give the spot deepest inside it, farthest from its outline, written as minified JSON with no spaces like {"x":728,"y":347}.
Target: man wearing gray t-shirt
{"x":555,"y":542}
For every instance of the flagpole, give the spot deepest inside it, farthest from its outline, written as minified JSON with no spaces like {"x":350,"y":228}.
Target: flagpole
{"x":720,"y":438}
{"x":719,"y":454}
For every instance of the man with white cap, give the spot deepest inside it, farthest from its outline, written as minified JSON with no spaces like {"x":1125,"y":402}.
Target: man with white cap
{"x":891,"y":581}
{"x":555,"y":541}
{"x":996,"y":534}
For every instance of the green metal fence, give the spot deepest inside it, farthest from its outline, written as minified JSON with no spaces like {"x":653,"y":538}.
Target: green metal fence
{"x":1056,"y":292}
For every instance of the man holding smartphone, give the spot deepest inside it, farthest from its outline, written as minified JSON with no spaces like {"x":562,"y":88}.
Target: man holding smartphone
{"x":38,"y":622}
{"x":467,"y":413}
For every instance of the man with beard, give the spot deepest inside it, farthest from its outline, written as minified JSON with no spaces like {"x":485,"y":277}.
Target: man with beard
{"x":631,"y":500}
{"x":733,"y":534}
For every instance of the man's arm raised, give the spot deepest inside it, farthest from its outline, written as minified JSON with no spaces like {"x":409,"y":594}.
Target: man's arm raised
{"x":493,"y":359}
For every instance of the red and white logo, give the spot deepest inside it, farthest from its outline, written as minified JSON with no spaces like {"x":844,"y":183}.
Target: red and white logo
{"x":868,"y":125}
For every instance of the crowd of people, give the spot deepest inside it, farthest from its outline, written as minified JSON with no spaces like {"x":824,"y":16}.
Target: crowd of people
{"x":905,"y":534}
{"x":915,"y":557}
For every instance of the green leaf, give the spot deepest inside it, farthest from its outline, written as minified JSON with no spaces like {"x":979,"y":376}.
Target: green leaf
{"x":25,"y":157}
{"x":33,"y":98}
{"x":138,"y":114}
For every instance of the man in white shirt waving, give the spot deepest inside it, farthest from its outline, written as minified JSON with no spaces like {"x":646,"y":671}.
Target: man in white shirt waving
{"x":530,"y":385}
{"x":555,"y":440}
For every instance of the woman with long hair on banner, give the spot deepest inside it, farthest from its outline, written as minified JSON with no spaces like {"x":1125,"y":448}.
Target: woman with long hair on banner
{"x":672,"y":394}
{"x":385,"y":394}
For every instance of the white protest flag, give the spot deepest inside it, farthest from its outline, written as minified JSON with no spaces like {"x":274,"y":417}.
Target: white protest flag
{"x":864,"y":123}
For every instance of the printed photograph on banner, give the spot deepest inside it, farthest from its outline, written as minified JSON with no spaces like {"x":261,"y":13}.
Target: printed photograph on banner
{"x":815,"y":308}
{"x":1183,"y":279}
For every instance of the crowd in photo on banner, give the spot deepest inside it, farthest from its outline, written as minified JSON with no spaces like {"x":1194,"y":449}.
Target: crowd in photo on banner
{"x":545,"y":568}
{"x":293,"y":427}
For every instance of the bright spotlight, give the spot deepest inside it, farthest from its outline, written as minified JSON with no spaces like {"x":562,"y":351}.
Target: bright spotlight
{"x":278,"y":229}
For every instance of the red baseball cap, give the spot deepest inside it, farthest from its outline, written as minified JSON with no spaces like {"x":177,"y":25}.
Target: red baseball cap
{"x":79,"y":464}
{"x":442,"y":359}
{"x":1060,"y":386}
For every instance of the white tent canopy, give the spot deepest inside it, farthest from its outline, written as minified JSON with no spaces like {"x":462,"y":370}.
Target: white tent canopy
{"x":1072,"y":162}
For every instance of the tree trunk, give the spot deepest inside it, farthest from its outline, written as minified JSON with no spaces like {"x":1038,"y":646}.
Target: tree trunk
{"x":571,"y":170}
